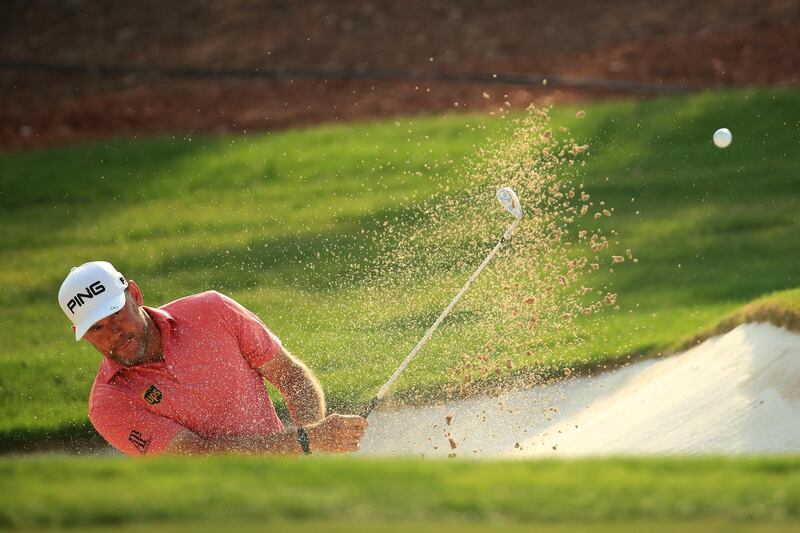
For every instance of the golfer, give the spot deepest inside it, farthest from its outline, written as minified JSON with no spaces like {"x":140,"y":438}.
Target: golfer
{"x":187,"y":378}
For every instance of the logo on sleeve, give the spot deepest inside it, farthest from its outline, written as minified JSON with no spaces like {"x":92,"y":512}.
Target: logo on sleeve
{"x":138,"y":441}
{"x":152,"y":395}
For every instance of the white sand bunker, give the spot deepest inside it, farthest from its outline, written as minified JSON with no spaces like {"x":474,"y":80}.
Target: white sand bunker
{"x":737,"y":394}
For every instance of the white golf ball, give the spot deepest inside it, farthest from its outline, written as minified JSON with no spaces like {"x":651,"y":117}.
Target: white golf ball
{"x":723,"y":137}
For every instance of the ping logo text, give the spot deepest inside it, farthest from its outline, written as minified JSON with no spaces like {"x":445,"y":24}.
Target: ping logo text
{"x":91,"y":291}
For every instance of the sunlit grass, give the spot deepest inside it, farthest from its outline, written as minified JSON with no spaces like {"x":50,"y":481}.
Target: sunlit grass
{"x":282,"y":223}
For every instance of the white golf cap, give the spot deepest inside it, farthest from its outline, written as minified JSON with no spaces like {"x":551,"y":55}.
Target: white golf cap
{"x":90,"y":293}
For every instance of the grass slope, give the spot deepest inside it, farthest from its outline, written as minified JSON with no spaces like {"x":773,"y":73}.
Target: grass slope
{"x":277,"y":220}
{"x":79,"y":493}
{"x":781,"y":308}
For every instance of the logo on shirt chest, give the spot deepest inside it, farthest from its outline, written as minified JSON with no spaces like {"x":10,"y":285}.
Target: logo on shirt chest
{"x":152,"y":395}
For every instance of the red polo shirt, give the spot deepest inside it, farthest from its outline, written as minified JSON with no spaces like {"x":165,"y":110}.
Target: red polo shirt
{"x":206,"y":383}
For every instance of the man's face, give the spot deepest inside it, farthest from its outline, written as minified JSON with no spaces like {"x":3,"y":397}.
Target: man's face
{"x":121,"y":336}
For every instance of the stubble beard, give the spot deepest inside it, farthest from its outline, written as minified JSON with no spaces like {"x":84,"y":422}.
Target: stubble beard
{"x":140,"y":351}
{"x":143,"y":344}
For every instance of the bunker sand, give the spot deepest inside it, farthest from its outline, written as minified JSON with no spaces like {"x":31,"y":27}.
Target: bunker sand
{"x":734,"y":394}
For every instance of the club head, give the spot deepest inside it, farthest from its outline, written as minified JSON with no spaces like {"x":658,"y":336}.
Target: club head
{"x":508,"y":198}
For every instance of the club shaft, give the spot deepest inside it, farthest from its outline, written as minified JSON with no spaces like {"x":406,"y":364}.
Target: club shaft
{"x":386,"y":386}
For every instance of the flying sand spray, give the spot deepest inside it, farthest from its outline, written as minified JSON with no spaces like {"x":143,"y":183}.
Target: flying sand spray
{"x":510,"y":202}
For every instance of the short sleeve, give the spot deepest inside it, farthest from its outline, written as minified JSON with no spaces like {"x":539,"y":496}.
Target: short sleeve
{"x":257,"y":343}
{"x":127,"y":426}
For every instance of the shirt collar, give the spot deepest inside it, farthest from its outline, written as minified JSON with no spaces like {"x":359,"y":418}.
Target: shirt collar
{"x":165,"y":324}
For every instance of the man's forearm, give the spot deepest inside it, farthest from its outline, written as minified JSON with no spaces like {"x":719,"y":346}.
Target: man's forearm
{"x":302,"y":391}
{"x":335,"y":434}
{"x":305,"y":401}
{"x":189,"y":443}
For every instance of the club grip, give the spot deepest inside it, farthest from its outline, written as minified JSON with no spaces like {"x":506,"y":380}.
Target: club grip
{"x":370,"y":406}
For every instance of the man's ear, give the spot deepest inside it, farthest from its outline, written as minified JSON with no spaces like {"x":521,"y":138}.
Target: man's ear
{"x":136,"y":292}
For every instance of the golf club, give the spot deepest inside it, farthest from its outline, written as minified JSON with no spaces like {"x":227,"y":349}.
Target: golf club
{"x":510,"y":202}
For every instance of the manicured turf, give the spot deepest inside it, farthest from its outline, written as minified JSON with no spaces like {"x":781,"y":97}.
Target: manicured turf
{"x":436,"y":526}
{"x":781,"y":308}
{"x":58,"y":491}
{"x":279,"y":222}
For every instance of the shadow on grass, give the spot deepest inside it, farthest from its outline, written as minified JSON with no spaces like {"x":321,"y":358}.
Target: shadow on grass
{"x":108,"y":175}
{"x":340,"y":258}
{"x":76,"y":437}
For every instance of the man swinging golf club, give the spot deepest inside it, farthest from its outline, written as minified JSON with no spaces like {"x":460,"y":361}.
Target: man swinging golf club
{"x":187,"y":378}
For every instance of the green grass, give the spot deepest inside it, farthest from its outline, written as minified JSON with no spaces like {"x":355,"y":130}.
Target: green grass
{"x":437,"y":526}
{"x":69,"y":492}
{"x":279,"y":222}
{"x":781,"y":308}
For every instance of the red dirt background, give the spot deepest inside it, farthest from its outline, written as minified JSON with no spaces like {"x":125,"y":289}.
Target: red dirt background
{"x":682,"y":42}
